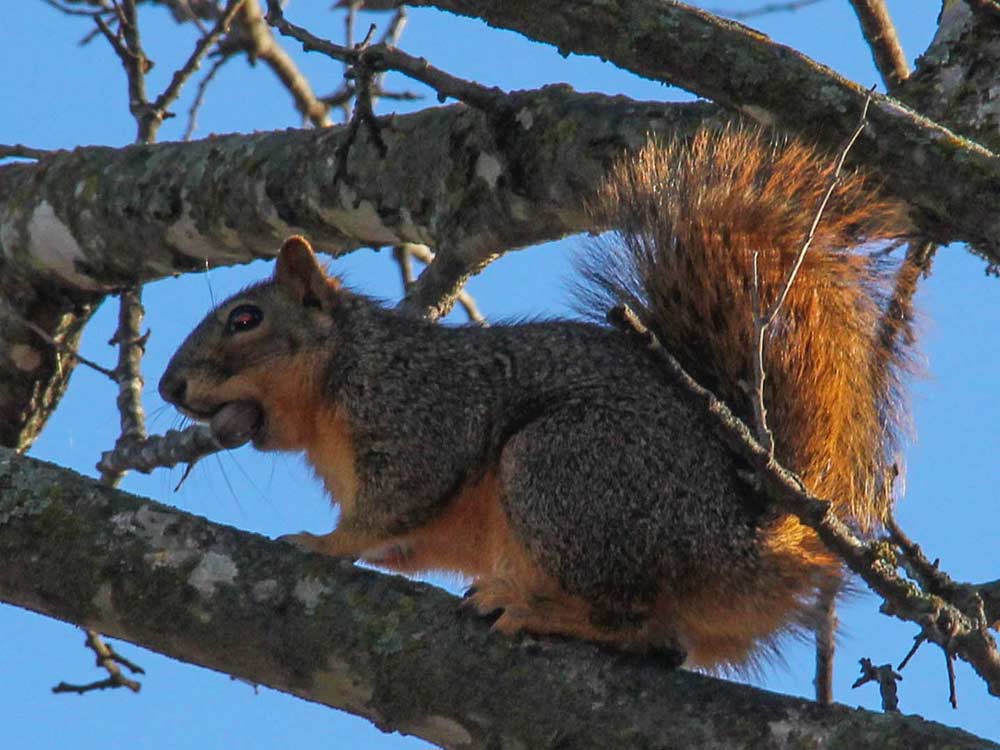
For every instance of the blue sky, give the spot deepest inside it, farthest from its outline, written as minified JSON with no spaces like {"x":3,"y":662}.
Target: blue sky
{"x":60,"y":95}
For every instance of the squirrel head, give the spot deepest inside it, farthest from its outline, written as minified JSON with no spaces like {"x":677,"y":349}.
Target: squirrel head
{"x":249,"y":369}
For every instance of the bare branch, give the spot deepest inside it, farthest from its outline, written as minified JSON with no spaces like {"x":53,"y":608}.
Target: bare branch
{"x":383,"y":647}
{"x":128,"y":374}
{"x":24,"y":152}
{"x":258,"y":41}
{"x":880,"y":33}
{"x":185,"y":446}
{"x":826,"y":644}
{"x":199,"y":97}
{"x":108,"y":659}
{"x":193,"y":63}
{"x":103,"y":10}
{"x":381,"y":57}
{"x":958,"y":627}
{"x":886,"y":677}
{"x":466,"y":300}
{"x":763,"y":10}
{"x":128,"y":46}
{"x":678,"y":44}
{"x":762,"y":322}
{"x":7,"y":312}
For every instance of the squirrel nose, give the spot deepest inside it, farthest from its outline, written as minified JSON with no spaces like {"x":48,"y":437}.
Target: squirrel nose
{"x":172,"y":388}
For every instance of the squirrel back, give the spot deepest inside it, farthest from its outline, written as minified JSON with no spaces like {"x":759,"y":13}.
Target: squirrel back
{"x":555,"y":464}
{"x":689,"y":219}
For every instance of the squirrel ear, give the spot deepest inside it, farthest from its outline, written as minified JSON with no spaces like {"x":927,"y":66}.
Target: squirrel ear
{"x":299,"y":272}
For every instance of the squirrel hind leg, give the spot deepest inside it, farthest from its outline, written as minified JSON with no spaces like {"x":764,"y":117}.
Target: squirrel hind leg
{"x":535,"y":605}
{"x":515,"y":593}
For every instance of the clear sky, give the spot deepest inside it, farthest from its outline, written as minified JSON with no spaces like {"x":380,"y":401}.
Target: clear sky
{"x":57,"y":94}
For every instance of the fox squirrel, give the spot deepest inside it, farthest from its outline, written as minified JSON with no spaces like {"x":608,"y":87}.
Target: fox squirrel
{"x":554,"y":463}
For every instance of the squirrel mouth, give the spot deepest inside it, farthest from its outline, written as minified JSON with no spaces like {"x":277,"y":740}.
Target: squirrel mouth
{"x":236,"y":423}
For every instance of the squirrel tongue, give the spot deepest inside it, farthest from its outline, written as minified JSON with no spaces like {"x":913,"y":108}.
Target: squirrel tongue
{"x":236,"y":422}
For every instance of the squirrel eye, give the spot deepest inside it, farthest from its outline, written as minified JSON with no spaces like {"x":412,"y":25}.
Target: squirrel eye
{"x":243,"y":318}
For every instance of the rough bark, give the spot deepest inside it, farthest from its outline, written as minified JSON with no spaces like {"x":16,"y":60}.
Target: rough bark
{"x":382,"y":647}
{"x":33,"y":373}
{"x":99,"y":218}
{"x":942,"y":175}
{"x":955,"y":79}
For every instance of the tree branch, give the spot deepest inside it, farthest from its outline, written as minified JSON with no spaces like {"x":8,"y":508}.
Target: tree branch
{"x":128,"y":374}
{"x":932,"y":168}
{"x":257,"y":40}
{"x":957,"y":624}
{"x":880,"y":33}
{"x":33,"y":373}
{"x":452,"y":177}
{"x":954,"y":81}
{"x":378,"y":646}
{"x":91,"y":221}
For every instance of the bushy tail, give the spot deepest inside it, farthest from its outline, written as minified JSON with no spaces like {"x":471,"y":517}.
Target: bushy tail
{"x":689,"y":217}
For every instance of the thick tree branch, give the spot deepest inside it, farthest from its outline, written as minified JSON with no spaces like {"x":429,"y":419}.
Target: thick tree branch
{"x":98,"y":219}
{"x":378,"y":646}
{"x":468,"y":185}
{"x":955,"y":79}
{"x":943,"y":176}
{"x":33,"y":372}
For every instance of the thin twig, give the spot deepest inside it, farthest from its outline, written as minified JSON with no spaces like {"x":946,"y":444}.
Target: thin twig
{"x":918,"y":640}
{"x":959,"y":626}
{"x":466,"y":300}
{"x":199,"y":97}
{"x":381,"y":57}
{"x":826,"y":643}
{"x":350,"y":20}
{"x":194,"y":60}
{"x":403,"y":257}
{"x":107,"y":659}
{"x":259,"y":42}
{"x":949,"y":658}
{"x":764,"y":434}
{"x":78,"y":11}
{"x":342,"y":97}
{"x":131,"y":347}
{"x":174,"y":447}
{"x":127,"y":45}
{"x":880,"y":33}
{"x":390,"y":39}
{"x":834,"y":177}
{"x":763,"y":10}
{"x":137,"y":64}
{"x":56,"y":344}
{"x":23,"y":152}
{"x":886,"y":677}
{"x":763,"y":322}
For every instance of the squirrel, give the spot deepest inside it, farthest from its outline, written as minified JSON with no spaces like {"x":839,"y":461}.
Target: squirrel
{"x":555,"y":463}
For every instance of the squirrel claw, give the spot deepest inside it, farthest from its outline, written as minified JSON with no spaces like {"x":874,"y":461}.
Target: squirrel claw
{"x":486,"y":606}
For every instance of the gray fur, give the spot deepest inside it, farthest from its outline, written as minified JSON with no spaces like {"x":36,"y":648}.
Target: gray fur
{"x":610,"y":476}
